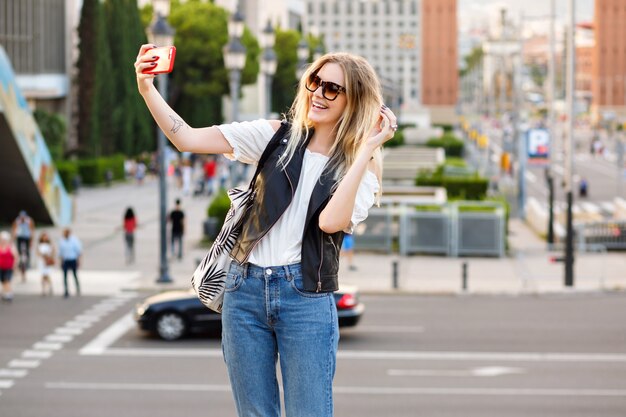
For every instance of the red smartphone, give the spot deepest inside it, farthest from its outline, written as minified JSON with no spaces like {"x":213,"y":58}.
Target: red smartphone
{"x":165,"y":63}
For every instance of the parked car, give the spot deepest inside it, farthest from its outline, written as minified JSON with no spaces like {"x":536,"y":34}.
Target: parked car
{"x":174,"y":314}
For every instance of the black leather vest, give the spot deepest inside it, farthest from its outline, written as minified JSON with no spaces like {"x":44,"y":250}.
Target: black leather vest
{"x":275,"y":189}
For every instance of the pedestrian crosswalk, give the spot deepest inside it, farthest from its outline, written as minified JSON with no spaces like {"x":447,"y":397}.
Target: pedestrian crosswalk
{"x":589,"y":210}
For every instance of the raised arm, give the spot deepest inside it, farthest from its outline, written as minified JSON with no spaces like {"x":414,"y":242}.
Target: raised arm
{"x":185,"y":138}
{"x":337,"y":214}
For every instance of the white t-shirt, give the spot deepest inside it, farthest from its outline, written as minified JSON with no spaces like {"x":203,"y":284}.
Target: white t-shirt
{"x":282,"y":245}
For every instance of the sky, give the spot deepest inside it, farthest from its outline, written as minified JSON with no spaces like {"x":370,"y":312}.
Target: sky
{"x":472,"y":12}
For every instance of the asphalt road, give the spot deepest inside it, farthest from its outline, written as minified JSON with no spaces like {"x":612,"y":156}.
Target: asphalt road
{"x":410,"y":356}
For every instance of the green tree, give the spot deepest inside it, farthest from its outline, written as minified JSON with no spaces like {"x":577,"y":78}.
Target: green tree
{"x":132,"y":129}
{"x":284,"y":82}
{"x":92,"y":67}
{"x":53,"y":129}
{"x":199,"y":79}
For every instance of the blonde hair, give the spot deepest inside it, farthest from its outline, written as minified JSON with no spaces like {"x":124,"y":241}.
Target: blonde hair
{"x":362,"y":112}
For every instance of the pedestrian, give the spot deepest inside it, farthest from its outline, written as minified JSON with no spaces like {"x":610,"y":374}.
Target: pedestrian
{"x":209,"y":168}
{"x":347,"y":250}
{"x":583,"y":187}
{"x":70,"y":250}
{"x":140,"y":172}
{"x":186,"y":171}
{"x":320,"y":177}
{"x":8,"y":255}
{"x":130,"y":224}
{"x":45,"y":250}
{"x":23,"y":231}
{"x":177,"y":218}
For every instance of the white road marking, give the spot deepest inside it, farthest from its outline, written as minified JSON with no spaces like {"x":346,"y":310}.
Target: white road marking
{"x":79,"y":324}
{"x":18,"y":363}
{"x":63,"y":338}
{"x":6,"y":383}
{"x":47,"y":346}
{"x":489,"y":371}
{"x":100,"y":349}
{"x":106,"y":338}
{"x":88,"y":318}
{"x":483,"y":356}
{"x":13,"y":373}
{"x":391,"y":329}
{"x":36,"y":354}
{"x":68,"y":330}
{"x":350,"y":390}
{"x":530,"y":177}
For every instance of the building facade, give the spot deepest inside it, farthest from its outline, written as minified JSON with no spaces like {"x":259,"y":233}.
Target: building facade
{"x":609,"y":60}
{"x":412,"y":43}
{"x":439,"y":79}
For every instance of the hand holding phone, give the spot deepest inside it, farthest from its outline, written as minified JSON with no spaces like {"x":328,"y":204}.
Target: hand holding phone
{"x":164,"y":61}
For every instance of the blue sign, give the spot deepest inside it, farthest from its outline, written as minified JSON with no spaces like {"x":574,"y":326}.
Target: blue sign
{"x":538,"y":145}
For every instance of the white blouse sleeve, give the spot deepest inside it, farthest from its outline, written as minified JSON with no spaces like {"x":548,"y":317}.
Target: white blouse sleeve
{"x":248,"y":139}
{"x":365,"y":198}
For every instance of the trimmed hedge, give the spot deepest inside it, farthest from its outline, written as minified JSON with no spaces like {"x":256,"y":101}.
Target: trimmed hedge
{"x":91,"y":171}
{"x":452,"y":145}
{"x":471,"y":187}
{"x":219,"y":207}
{"x":68,"y":171}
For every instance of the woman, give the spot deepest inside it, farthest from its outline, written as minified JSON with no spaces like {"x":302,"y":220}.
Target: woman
{"x":130,"y":224}
{"x":320,"y":179}
{"x":45,"y":250}
{"x":8,"y":255}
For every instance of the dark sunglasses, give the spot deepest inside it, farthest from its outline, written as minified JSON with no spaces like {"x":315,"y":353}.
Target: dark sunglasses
{"x":330,"y":90}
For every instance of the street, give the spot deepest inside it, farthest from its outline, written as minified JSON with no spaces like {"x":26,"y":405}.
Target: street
{"x":474,"y":355}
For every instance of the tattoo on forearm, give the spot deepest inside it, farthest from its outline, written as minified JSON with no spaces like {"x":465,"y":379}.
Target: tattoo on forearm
{"x":178,"y":123}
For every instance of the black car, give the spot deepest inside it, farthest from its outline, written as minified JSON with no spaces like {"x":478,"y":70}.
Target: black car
{"x":174,"y":314}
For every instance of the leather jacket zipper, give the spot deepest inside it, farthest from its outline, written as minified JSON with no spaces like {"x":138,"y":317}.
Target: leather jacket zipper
{"x":319,"y":276}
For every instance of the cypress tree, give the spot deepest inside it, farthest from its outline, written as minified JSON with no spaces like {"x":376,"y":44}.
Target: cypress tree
{"x":88,"y":33}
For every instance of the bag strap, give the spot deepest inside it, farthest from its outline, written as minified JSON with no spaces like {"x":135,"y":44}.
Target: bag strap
{"x":271,"y":146}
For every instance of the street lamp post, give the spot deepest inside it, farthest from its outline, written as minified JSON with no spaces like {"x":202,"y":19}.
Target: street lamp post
{"x":303,"y":58}
{"x":162,"y":34}
{"x":268,"y":64}
{"x":235,"y":59}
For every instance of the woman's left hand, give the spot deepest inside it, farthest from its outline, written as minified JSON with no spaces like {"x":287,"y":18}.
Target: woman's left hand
{"x":385,"y":128}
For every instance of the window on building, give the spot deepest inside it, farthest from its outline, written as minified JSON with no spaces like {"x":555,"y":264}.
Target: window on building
{"x":400,"y":7}
{"x":310,"y":5}
{"x":336,"y":8}
{"x":413,"y":8}
{"x":348,"y":7}
{"x":375,"y":8}
{"x":322,"y":8}
{"x":387,"y":7}
{"x":362,"y":8}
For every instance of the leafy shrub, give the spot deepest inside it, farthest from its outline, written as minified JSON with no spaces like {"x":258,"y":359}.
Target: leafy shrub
{"x":219,"y":207}
{"x":452,"y":146}
{"x":469,"y":187}
{"x":68,"y":171}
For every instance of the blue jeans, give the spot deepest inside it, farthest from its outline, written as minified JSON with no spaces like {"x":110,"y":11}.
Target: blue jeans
{"x":267,"y":316}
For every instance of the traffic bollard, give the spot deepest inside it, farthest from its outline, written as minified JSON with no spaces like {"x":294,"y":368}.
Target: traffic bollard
{"x":394,"y":276}
{"x":464,"y":277}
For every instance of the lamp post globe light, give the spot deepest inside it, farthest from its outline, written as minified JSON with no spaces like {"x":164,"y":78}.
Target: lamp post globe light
{"x":162,"y":34}
{"x":303,"y":58}
{"x":268,"y":64}
{"x":235,"y":59}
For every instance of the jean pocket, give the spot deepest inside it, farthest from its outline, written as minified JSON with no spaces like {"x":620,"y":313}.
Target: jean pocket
{"x":297,"y":283}
{"x":233,"y":282}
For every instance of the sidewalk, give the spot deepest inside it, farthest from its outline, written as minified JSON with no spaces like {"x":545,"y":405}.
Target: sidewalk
{"x":103,"y":271}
